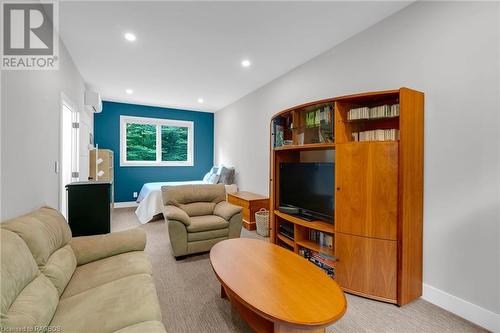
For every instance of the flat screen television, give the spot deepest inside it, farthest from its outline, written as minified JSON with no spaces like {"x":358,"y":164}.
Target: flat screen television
{"x":308,"y":187}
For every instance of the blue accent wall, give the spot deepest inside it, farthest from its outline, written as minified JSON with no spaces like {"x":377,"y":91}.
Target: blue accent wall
{"x":131,"y":178}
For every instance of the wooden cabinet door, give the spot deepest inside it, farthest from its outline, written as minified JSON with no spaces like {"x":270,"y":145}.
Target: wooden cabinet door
{"x":366,"y":196}
{"x":367,"y":266}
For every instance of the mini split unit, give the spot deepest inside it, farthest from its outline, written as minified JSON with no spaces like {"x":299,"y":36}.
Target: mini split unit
{"x":93,"y":101}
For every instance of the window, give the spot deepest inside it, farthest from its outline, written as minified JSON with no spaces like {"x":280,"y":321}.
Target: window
{"x":155,"y":142}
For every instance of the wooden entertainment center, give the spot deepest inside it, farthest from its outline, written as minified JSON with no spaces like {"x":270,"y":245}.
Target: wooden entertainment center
{"x":376,"y":142}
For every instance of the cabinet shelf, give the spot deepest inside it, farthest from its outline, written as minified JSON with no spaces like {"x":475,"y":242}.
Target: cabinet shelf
{"x":308,"y":244}
{"x":286,"y":240}
{"x":309,"y":146}
{"x":362,"y":120}
{"x":316,"y":225}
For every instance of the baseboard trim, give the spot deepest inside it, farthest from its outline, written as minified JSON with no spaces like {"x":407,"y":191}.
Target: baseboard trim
{"x":125,"y":204}
{"x":467,"y":310}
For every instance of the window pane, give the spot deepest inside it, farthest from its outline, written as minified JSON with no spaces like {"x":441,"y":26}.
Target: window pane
{"x":174,"y":143}
{"x":141,"y":142}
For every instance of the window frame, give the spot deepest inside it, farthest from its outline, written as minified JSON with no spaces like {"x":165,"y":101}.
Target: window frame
{"x":158,"y":122}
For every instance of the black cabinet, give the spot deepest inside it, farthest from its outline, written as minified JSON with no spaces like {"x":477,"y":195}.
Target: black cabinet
{"x":89,"y":208}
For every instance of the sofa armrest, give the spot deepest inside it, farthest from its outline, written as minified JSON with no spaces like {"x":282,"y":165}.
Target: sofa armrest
{"x":226,"y":210}
{"x":92,"y":248}
{"x":175,"y":213}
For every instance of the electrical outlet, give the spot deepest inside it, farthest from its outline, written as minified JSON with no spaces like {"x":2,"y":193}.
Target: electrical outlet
{"x":135,"y":194}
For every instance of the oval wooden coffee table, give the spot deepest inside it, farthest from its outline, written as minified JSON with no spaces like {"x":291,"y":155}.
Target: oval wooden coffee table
{"x":275,"y":290}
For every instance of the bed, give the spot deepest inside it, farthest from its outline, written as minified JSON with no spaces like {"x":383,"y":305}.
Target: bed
{"x":150,"y":200}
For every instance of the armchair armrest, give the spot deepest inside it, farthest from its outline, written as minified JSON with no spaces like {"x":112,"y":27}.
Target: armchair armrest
{"x":175,"y":213}
{"x":226,"y":210}
{"x":92,"y":248}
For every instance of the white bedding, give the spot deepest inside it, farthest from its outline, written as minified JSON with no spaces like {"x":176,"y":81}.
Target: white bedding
{"x":150,"y":200}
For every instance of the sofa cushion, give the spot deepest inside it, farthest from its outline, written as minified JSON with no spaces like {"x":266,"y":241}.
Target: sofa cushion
{"x":206,"y":223}
{"x":44,"y":231}
{"x":145,"y":326}
{"x":96,"y":247}
{"x":203,"y":235}
{"x":29,"y":299}
{"x":110,"y":307}
{"x":34,"y":306}
{"x":18,"y":268}
{"x":60,"y":267}
{"x":106,"y":270}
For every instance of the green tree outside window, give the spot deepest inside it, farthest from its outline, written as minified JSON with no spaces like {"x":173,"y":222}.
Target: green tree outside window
{"x":141,"y":142}
{"x":174,"y":143}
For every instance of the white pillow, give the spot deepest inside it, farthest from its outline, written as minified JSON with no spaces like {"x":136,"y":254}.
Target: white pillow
{"x":213,"y":179}
{"x":206,"y":177}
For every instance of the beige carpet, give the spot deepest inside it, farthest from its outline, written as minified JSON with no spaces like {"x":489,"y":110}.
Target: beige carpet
{"x":190,"y":302}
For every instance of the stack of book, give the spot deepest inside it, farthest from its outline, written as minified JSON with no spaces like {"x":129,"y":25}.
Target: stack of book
{"x":382,"y":111}
{"x":321,"y":120}
{"x":377,"y":135}
{"x":323,"y":261}
{"x":321,"y":238}
{"x":323,"y":115}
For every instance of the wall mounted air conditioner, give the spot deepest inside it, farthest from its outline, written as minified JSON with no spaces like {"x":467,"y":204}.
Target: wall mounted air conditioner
{"x":93,"y":101}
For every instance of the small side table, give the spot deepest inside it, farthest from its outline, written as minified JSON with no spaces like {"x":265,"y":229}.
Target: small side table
{"x":251,"y":204}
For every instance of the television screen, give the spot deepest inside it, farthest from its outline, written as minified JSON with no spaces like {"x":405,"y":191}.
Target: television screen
{"x":309,"y":187}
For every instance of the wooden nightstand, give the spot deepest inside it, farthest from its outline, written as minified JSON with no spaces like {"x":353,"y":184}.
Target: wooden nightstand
{"x":251,"y":203}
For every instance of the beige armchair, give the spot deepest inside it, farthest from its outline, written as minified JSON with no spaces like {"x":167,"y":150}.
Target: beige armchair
{"x":198,"y":217}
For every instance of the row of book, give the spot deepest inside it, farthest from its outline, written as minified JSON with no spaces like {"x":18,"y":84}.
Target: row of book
{"x":321,"y":238}
{"x":377,"y":135}
{"x":382,"y":111}
{"x":316,"y":118}
{"x":323,"y":261}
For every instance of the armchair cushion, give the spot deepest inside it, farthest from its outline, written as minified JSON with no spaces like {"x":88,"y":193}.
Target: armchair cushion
{"x":175,"y":213}
{"x":198,"y":208}
{"x":92,"y":248}
{"x":226,"y":210}
{"x":206,"y":223}
{"x":186,"y":194}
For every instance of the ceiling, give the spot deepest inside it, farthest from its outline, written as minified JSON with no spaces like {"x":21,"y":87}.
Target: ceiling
{"x":190,"y":50}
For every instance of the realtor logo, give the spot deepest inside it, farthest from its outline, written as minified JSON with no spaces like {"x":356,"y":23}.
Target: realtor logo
{"x":29,"y":37}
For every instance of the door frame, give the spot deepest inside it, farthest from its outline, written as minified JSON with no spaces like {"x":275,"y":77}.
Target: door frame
{"x":64,"y":101}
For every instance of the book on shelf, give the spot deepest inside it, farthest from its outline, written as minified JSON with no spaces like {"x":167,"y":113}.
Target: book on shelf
{"x":377,"y":135}
{"x":321,"y":238}
{"x":325,"y":262}
{"x":382,"y":111}
{"x":317,"y":117}
{"x":322,"y":118}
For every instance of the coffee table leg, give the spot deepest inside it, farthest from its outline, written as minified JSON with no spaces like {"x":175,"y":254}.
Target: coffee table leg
{"x":222,"y":292}
{"x":279,"y":328}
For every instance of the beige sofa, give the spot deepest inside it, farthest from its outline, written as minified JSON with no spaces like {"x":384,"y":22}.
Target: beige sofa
{"x":83,"y":284}
{"x":198,"y":217}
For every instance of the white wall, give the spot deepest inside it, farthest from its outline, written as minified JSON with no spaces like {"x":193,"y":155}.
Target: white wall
{"x":30,"y":125}
{"x":450,"y":51}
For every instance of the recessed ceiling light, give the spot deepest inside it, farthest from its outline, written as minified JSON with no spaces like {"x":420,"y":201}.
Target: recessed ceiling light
{"x":245,"y":63}
{"x":129,"y":91}
{"x":201,"y":100}
{"x":130,"y":37}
